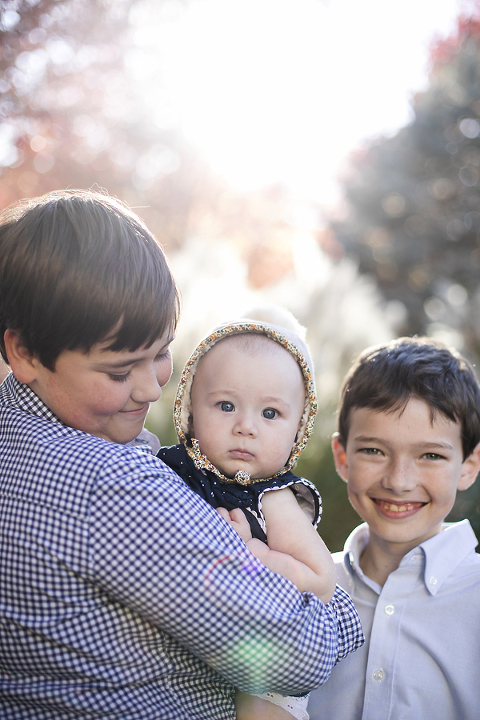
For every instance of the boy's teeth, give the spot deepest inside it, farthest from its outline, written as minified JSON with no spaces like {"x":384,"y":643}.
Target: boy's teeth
{"x":396,"y":508}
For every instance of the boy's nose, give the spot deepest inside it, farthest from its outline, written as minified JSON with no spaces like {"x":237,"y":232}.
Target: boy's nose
{"x":399,"y":477}
{"x":147,"y":387}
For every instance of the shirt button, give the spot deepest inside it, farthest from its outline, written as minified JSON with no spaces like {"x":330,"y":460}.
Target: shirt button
{"x":378,"y":675}
{"x":433,"y":580}
{"x":389,"y":609}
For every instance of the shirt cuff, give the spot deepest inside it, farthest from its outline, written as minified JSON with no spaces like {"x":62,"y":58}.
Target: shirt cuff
{"x":350,"y":633}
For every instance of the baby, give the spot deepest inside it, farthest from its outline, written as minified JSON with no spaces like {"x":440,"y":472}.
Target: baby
{"x":244,"y":410}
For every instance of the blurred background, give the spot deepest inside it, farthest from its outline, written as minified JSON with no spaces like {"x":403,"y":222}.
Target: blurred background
{"x":321,"y":155}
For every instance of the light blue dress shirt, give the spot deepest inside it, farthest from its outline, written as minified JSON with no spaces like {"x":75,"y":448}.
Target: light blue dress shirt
{"x":421,"y":659}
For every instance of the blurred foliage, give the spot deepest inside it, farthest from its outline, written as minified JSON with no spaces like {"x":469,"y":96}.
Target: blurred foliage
{"x":412,"y":214}
{"x":71,"y":116}
{"x":413,"y":217}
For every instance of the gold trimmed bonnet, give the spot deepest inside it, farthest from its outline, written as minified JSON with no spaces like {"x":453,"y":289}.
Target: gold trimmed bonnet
{"x":285,"y":337}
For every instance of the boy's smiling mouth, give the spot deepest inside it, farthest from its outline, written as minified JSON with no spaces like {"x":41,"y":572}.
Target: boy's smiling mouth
{"x":137,"y":411}
{"x":397,"y":507}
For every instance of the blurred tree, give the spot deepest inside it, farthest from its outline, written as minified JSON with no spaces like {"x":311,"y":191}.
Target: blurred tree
{"x":413,"y":211}
{"x":72,"y":116}
{"x":413,"y":219}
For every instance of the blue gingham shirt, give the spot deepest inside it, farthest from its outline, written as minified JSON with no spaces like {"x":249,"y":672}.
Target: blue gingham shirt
{"x":124,"y":595}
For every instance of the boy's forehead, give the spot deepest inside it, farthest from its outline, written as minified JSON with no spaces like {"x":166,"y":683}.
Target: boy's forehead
{"x":415,"y":416}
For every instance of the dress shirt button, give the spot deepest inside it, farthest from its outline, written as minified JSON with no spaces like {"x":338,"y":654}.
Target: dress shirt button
{"x":389,"y":609}
{"x":433,"y":580}
{"x":378,"y":675}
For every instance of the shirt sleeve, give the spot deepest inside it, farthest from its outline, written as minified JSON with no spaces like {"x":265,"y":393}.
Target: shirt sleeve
{"x":166,"y":554}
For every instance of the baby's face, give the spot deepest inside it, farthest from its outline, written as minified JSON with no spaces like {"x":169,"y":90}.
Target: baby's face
{"x":246,"y":407}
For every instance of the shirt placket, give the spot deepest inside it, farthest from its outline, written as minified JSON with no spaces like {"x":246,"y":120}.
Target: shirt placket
{"x":384,"y":640}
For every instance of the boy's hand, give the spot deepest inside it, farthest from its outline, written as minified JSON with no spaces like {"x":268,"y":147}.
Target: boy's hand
{"x":237,"y":521}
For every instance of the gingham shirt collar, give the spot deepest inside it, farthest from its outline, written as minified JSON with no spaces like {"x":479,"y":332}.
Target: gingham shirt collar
{"x":19,"y":395}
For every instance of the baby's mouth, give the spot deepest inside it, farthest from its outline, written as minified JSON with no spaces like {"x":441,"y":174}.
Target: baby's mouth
{"x":398,"y":507}
{"x":240,"y":454}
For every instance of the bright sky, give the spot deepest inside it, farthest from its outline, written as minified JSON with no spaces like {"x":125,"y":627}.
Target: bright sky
{"x":283,"y":90}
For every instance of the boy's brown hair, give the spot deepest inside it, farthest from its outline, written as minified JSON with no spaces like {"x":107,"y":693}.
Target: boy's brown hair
{"x":385,"y":377}
{"x":78,"y":267}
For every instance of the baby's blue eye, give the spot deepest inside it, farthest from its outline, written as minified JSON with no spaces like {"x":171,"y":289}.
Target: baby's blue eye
{"x":269,"y":413}
{"x":227,"y":407}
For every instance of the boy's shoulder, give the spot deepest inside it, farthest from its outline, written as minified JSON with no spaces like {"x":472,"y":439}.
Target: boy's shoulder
{"x":446,"y":559}
{"x":451,"y":562}
{"x":36,"y":446}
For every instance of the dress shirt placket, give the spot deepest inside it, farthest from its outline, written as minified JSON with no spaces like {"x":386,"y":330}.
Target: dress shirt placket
{"x":386,"y":633}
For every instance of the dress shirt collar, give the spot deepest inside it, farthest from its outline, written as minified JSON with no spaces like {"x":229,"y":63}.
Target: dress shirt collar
{"x":440,"y":555}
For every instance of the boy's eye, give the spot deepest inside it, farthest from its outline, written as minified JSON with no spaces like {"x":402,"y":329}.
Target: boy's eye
{"x":371,"y":451}
{"x":433,"y":456}
{"x":269,"y":413}
{"x":119,"y":378}
{"x":226,"y":407}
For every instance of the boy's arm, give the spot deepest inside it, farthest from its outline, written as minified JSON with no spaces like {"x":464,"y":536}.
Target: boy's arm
{"x":161,"y":550}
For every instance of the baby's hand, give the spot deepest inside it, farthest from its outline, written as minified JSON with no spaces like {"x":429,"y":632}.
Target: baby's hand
{"x":237,"y":521}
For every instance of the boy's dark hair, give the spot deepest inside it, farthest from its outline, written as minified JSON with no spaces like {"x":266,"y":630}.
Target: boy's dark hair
{"x":385,"y":377}
{"x":78,"y":267}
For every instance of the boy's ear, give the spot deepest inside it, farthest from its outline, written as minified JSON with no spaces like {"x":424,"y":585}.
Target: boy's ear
{"x":340,"y":457}
{"x":22,"y":363}
{"x":470,"y":469}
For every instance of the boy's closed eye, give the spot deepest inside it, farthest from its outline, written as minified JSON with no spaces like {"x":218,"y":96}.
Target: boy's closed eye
{"x":119,"y":378}
{"x":123,"y":377}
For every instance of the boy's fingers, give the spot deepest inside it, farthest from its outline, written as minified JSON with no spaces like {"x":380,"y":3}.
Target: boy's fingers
{"x":237,"y":520}
{"x":238,"y":516}
{"x":241,"y":524}
{"x":224,"y":513}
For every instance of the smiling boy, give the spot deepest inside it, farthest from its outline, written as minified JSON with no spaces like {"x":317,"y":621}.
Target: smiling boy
{"x":409,"y":427}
